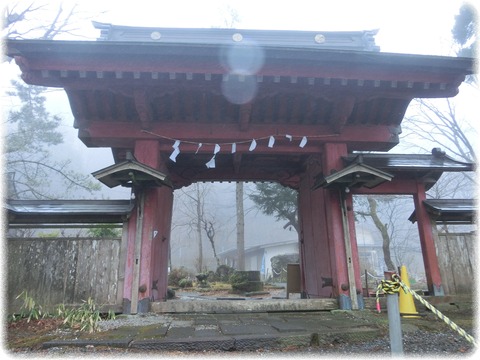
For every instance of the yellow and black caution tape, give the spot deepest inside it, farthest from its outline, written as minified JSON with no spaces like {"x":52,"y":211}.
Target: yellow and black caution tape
{"x":390,"y":287}
{"x":393,"y":286}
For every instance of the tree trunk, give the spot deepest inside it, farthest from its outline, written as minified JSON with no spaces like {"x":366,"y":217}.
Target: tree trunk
{"x":383,"y":230}
{"x":210,"y":232}
{"x":240,"y":227}
{"x":199,"y":231}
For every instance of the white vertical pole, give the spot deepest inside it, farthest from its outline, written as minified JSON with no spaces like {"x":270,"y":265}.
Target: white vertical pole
{"x":137,"y":254}
{"x":348,"y":252}
{"x":394,"y":322}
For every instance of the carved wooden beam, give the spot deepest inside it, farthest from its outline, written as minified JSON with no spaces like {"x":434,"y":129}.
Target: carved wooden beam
{"x":342,"y":109}
{"x":237,"y":160}
{"x":244,"y":116}
{"x":143,"y":108}
{"x":78,"y":109}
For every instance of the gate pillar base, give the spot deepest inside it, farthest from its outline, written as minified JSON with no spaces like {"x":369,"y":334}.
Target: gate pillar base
{"x":126,"y":306}
{"x":143,"y":306}
{"x":360,"y":302}
{"x":345,"y":303}
{"x":438,"y":290}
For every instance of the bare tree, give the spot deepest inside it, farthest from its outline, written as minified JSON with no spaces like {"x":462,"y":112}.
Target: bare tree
{"x":43,"y":20}
{"x":199,"y":219}
{"x":209,"y":228}
{"x":388,"y":214}
{"x":433,"y":125}
{"x":240,"y":227}
{"x":437,"y":122}
{"x":230,"y":17}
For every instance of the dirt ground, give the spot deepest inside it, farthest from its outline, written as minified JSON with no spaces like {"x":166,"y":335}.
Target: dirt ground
{"x":31,"y":334}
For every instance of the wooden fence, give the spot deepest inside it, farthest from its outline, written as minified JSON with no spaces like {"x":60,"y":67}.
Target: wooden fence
{"x":456,"y":259}
{"x":65,"y":270}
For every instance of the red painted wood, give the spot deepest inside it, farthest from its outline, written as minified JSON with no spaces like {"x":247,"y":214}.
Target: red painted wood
{"x":162,"y":242}
{"x":155,"y":233}
{"x":308,"y":63}
{"x":104,"y":133}
{"x":322,"y":77}
{"x":432,"y":269}
{"x":332,"y":161}
{"x":396,"y":186}
{"x":155,"y":242}
{"x":314,"y":245}
{"x":147,"y":152}
{"x":336,"y":242}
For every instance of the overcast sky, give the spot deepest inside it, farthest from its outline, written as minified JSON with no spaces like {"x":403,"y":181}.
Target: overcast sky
{"x":408,"y":26}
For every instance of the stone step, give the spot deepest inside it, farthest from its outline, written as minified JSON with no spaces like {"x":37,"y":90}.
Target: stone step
{"x":240,"y":306}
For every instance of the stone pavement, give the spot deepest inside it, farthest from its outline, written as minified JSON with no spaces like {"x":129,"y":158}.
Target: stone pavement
{"x":251,"y":325}
{"x":231,"y":332}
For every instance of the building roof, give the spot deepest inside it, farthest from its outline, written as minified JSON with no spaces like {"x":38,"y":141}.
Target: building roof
{"x":131,"y":173}
{"x":21,"y":212}
{"x":259,"y":247}
{"x":457,"y":211}
{"x":425,"y":167}
{"x":437,"y":160}
{"x":223,"y":87}
{"x":347,"y":40}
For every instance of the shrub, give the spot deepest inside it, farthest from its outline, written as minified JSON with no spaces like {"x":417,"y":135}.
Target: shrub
{"x":211,"y":276}
{"x":185,"y":282}
{"x":238,"y":280}
{"x":176,"y":275}
{"x":29,"y":309}
{"x":223,"y":273}
{"x":85,"y":317}
{"x":106,"y":231}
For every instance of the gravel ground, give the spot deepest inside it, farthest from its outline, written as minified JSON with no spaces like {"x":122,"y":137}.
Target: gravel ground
{"x":414,"y":343}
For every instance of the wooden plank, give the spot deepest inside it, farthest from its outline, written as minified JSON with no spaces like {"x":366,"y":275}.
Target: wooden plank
{"x":461,"y":265}
{"x":122,"y":264}
{"x":137,"y":252}
{"x":444,"y":263}
{"x":61,"y":270}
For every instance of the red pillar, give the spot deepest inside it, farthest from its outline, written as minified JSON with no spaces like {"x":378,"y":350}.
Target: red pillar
{"x":430,"y":260}
{"x":148,"y":239}
{"x":314,"y":248}
{"x":322,"y":239}
{"x":341,"y":233}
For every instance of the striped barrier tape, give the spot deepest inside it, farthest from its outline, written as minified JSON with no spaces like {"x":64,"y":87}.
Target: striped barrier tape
{"x":387,"y":287}
{"x":393,"y":286}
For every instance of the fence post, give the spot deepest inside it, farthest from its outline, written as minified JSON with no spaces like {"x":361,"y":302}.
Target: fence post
{"x":394,"y":322}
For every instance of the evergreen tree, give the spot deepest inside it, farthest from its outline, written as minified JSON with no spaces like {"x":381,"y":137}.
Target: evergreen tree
{"x":31,"y":131}
{"x":277,"y":200}
{"x":465,"y":31}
